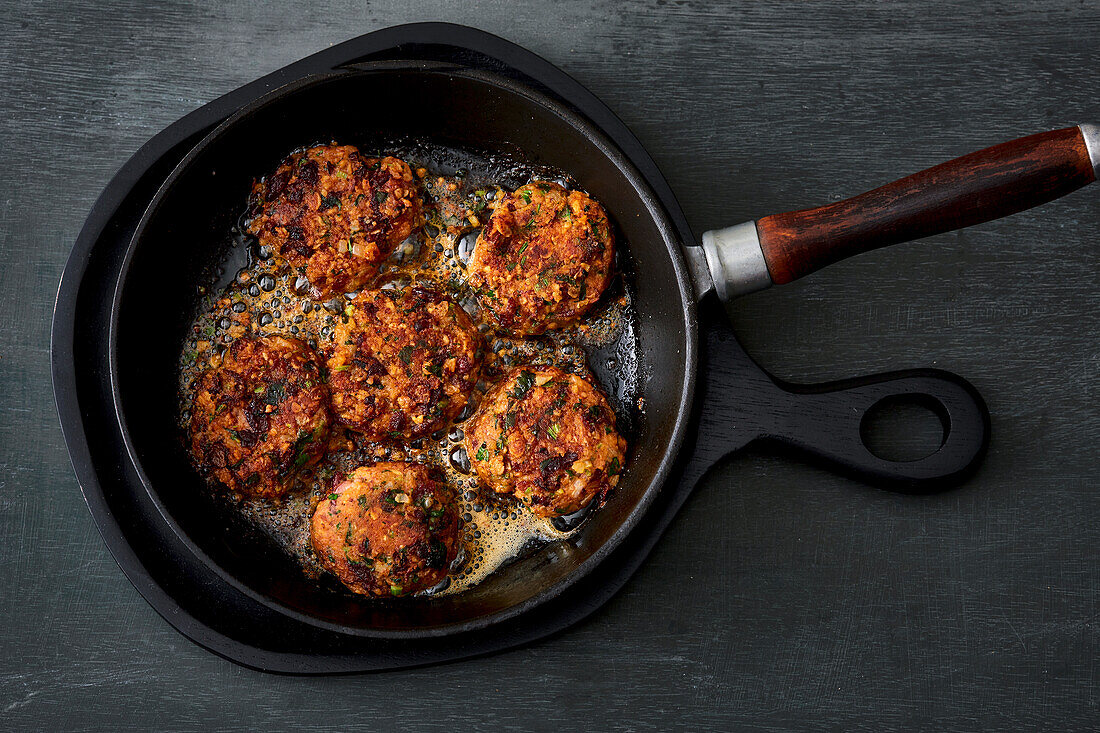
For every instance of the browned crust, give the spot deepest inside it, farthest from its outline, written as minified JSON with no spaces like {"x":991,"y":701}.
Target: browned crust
{"x":390,"y":529}
{"x":404,"y":364}
{"x":547,"y":437}
{"x":544,"y":258}
{"x":335,"y":214}
{"x":260,"y":416}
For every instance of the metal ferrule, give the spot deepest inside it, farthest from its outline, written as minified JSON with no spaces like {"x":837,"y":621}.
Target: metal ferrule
{"x":736,"y":261}
{"x":1091,"y":133}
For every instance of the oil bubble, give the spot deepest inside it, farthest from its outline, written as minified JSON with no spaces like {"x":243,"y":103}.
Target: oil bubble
{"x":459,"y":460}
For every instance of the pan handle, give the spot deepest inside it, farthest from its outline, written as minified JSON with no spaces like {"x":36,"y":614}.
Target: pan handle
{"x":827,"y":422}
{"x":975,"y":188}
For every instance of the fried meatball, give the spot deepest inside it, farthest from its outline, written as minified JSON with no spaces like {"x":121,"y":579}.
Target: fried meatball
{"x":260,"y":416}
{"x":547,"y":437}
{"x":389,"y":529}
{"x":335,"y":214}
{"x":404,"y":364}
{"x":544,"y":258}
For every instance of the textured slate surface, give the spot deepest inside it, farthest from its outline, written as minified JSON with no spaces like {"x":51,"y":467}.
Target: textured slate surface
{"x":782,"y":597}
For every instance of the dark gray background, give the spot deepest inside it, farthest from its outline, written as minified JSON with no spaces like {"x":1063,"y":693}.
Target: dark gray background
{"x":783,"y":597}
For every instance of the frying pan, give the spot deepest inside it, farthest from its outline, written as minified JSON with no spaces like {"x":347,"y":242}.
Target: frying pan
{"x":468,"y":89}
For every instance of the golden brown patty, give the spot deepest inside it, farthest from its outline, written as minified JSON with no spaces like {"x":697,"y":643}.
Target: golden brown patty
{"x":260,"y":415}
{"x":404,"y":363}
{"x":336,"y":214}
{"x":548,"y":437}
{"x":543,"y":259}
{"x":389,"y":529}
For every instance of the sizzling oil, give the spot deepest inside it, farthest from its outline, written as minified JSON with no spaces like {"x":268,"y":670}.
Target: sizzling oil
{"x":253,"y":292}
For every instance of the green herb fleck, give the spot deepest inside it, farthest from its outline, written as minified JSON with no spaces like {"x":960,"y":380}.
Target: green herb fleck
{"x":531,"y":222}
{"x":523,"y":384}
{"x":276,"y":393}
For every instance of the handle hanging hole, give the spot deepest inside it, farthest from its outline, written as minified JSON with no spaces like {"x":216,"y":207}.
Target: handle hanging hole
{"x":904,"y":428}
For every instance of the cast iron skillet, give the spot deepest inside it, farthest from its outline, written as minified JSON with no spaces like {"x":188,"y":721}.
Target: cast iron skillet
{"x":469,"y":105}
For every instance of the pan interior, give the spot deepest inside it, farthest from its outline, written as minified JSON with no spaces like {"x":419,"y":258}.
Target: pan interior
{"x":184,"y":235}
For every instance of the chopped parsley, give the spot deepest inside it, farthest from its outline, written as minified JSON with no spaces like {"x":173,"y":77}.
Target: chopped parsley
{"x":531,"y":222}
{"x":544,"y":275}
{"x":276,"y":393}
{"x":523,"y":384}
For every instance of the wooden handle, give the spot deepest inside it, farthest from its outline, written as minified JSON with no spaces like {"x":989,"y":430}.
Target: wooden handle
{"x":991,"y":183}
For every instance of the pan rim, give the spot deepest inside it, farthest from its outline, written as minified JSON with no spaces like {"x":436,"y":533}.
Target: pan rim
{"x":690,"y":359}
